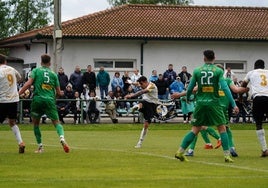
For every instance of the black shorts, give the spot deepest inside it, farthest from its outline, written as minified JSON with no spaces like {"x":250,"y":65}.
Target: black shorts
{"x":260,"y":108}
{"x":8,"y":110}
{"x":149,"y":110}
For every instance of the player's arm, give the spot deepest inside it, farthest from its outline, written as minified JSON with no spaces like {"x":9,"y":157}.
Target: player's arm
{"x":138,"y":93}
{"x":58,"y":90}
{"x":18,"y":76}
{"x":26,"y":86}
{"x":240,"y":90}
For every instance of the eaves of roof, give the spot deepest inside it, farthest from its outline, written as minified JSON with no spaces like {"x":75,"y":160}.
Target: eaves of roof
{"x":154,"y":22}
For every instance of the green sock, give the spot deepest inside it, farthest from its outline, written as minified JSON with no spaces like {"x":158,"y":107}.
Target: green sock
{"x":230,"y":137}
{"x":213,"y":133}
{"x":37,"y":134}
{"x":189,"y":137}
{"x":224,"y":141}
{"x":204,"y":135}
{"x":59,"y":129}
{"x":193,"y":143}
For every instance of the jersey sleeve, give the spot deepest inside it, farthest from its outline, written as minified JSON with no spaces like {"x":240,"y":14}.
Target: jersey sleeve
{"x":227,"y":92}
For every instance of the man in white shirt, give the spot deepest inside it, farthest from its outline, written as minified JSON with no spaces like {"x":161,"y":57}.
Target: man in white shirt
{"x":259,"y":88}
{"x":9,"y":98}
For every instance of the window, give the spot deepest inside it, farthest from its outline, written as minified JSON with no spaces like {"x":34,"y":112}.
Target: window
{"x":236,"y":66}
{"x":111,"y":64}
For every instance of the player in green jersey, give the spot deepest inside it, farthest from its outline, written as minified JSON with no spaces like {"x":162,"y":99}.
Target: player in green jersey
{"x":46,"y":86}
{"x":208,"y":111}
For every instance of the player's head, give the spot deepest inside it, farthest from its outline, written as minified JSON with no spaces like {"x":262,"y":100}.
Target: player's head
{"x":45,"y":59}
{"x":143,"y":82}
{"x":209,"y":55}
{"x":2,"y":59}
{"x":259,"y":64}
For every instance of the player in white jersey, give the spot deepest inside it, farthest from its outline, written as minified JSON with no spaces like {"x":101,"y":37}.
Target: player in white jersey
{"x":148,"y":106}
{"x":9,"y":98}
{"x":259,"y":87}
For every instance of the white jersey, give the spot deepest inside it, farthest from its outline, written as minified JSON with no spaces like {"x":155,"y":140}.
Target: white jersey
{"x":152,"y":95}
{"x":259,"y":82}
{"x":8,"y":84}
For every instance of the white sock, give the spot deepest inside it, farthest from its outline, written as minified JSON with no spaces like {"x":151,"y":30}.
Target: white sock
{"x":262,"y":140}
{"x":16,"y":131}
{"x":143,"y":134}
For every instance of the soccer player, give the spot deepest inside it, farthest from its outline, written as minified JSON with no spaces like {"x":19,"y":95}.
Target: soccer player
{"x":9,"y":98}
{"x":259,"y":86}
{"x":208,"y":110}
{"x":148,"y":106}
{"x":45,"y":83}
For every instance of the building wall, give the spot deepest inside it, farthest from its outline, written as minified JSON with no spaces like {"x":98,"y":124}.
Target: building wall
{"x":157,"y":54}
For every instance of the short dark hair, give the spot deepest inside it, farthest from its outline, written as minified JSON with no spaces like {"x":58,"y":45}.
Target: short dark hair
{"x":2,"y":59}
{"x":209,"y":54}
{"x":142,"y":79}
{"x":259,"y":64}
{"x":45,"y":59}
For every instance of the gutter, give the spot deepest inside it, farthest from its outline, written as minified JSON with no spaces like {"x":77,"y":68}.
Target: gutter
{"x":141,"y":53}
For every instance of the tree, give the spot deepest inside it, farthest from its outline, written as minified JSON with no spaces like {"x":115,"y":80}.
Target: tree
{"x":26,"y":15}
{"x":158,"y":2}
{"x":3,"y":16}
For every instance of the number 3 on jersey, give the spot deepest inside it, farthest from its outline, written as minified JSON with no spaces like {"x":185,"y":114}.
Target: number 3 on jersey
{"x":263,"y":80}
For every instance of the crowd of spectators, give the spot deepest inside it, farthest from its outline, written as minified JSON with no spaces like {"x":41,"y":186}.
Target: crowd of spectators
{"x":85,"y":85}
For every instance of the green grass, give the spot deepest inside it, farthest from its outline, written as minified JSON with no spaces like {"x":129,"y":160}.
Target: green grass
{"x":104,"y":156}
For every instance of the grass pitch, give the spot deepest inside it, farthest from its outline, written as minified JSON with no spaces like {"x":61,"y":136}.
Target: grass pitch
{"x":104,"y":156}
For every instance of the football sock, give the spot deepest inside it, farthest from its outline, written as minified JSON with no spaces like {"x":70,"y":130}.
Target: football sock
{"x":213,"y":133}
{"x":230,"y":137}
{"x":143,"y":134}
{"x":60,"y":130}
{"x":224,"y":140}
{"x":204,"y":135}
{"x":37,"y":134}
{"x":193,"y":143}
{"x":262,"y":140}
{"x":16,"y":131}
{"x":187,"y":140}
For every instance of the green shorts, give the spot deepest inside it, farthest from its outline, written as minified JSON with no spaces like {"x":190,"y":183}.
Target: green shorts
{"x":208,"y":115}
{"x":41,"y":106}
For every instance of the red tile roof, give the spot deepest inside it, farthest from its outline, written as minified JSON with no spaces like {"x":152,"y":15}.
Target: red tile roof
{"x":163,"y":22}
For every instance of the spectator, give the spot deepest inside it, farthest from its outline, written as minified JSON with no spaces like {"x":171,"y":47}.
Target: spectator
{"x":89,"y":78}
{"x":163,"y":87}
{"x":62,"y":106}
{"x":103,"y":81}
{"x":119,"y":95}
{"x":77,"y":109}
{"x":69,"y":93}
{"x":117,"y":81}
{"x":184,"y":75}
{"x":76,"y":79}
{"x":126,"y":79}
{"x":63,"y":78}
{"x":93,"y":112}
{"x":228,"y":73}
{"x":176,"y":86}
{"x":154,"y":76}
{"x":110,"y":107}
{"x":136,"y":75}
{"x":170,"y":75}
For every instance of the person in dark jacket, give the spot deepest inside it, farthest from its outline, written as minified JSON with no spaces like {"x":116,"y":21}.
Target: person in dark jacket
{"x":62,"y":106}
{"x":170,"y":75}
{"x":89,"y":79}
{"x":163,"y":87}
{"x":63,"y":78}
{"x":76,"y":80}
{"x":184,"y":75}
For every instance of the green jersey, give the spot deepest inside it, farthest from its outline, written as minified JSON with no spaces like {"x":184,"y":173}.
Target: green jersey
{"x":207,"y":78}
{"x":224,"y":101}
{"x":45,"y":82}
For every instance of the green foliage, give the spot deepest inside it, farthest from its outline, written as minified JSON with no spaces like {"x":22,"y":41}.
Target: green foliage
{"x":158,"y":2}
{"x":108,"y":159}
{"x":23,"y":15}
